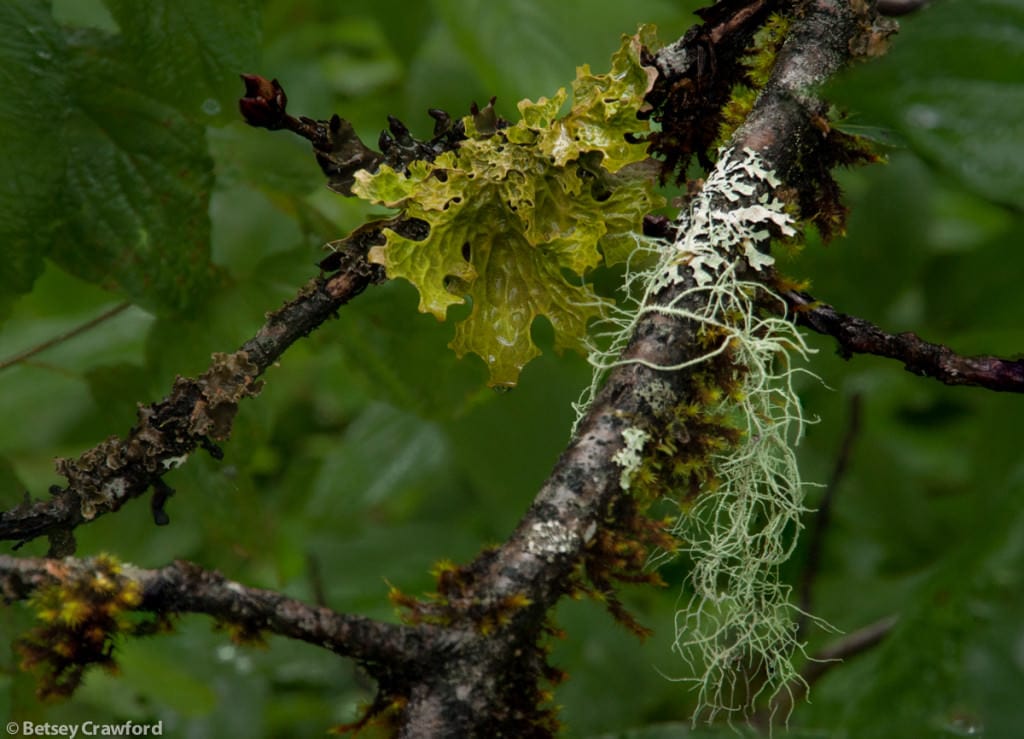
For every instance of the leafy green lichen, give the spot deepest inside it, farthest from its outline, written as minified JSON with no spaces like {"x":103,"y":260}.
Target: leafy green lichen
{"x":513,"y":211}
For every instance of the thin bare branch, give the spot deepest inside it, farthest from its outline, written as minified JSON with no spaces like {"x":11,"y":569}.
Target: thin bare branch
{"x":860,"y":641}
{"x":64,"y":336}
{"x":920,"y":357}
{"x":823,"y":516}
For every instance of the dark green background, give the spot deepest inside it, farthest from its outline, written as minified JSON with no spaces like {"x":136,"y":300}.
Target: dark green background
{"x":373,"y":452}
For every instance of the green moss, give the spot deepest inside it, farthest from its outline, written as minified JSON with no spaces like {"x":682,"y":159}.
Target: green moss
{"x":757,"y":64}
{"x":81,"y":616}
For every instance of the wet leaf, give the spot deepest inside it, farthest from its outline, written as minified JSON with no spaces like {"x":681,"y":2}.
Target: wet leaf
{"x":137,"y":188}
{"x":31,"y":159}
{"x":190,"y":52}
{"x":951,"y":88}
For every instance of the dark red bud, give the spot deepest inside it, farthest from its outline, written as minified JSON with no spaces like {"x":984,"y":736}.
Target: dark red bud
{"x":264,"y":103}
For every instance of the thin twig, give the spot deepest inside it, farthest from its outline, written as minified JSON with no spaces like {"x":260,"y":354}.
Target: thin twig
{"x":823,"y":517}
{"x":920,"y":357}
{"x":66,"y":336}
{"x":832,"y":656}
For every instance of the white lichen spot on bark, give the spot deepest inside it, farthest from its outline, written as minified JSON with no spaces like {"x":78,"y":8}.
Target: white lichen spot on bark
{"x":629,"y":458}
{"x":115,"y":489}
{"x":172,"y":463}
{"x":551,"y":538}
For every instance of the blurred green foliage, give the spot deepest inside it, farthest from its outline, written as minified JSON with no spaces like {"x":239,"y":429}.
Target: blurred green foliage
{"x":373,"y":452}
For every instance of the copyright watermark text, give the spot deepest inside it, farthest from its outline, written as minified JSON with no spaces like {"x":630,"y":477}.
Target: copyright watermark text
{"x":86,"y":728}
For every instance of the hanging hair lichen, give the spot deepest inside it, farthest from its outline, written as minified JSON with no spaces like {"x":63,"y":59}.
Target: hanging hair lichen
{"x":726,"y":455}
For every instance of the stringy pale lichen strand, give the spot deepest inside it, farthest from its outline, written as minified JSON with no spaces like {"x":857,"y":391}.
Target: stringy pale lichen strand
{"x":739,"y":621}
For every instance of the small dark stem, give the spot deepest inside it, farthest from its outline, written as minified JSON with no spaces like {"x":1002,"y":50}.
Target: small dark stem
{"x":66,"y":336}
{"x":822,"y":663}
{"x":920,"y":357}
{"x":823,"y":516}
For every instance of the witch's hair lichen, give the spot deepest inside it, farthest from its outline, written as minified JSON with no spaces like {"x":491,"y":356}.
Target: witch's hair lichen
{"x":726,"y":454}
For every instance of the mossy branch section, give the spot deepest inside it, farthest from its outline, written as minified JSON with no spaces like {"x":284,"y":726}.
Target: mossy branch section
{"x":723,"y":452}
{"x":81,"y":614}
{"x":85,"y":605}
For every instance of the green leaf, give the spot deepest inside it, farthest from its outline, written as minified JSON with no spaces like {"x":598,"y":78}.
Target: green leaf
{"x":951,"y":88}
{"x":137,"y":187}
{"x":510,"y":211}
{"x":950,"y":658}
{"x":403,"y":359}
{"x":350,"y":479}
{"x":523,"y":36}
{"x":405,"y":37}
{"x":190,"y":52}
{"x":157,"y":675}
{"x":10,"y":483}
{"x":31,"y":159}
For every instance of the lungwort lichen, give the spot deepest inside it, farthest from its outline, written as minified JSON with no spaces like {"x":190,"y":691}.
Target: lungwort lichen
{"x":515,"y":209}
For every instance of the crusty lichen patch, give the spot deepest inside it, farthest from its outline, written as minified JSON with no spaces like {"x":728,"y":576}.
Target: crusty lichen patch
{"x":230,"y":378}
{"x":115,"y":470}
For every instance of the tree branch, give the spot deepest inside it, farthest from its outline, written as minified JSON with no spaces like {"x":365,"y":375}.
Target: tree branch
{"x":198,"y":412}
{"x":338,"y":149}
{"x":564,"y":526}
{"x":184,"y":587}
{"x":858,"y":336}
